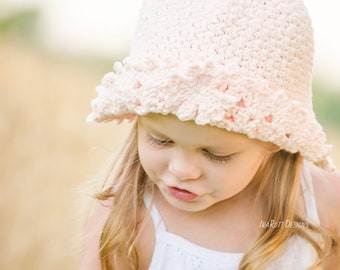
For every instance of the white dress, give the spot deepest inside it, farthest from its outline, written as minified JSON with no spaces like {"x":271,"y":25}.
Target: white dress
{"x":173,"y":252}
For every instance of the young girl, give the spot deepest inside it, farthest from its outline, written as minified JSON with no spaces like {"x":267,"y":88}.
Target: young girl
{"x":225,"y":166}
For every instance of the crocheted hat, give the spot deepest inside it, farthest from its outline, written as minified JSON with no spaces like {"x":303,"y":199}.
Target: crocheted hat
{"x":244,"y":66}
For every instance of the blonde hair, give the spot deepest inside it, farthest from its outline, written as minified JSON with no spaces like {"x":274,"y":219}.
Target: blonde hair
{"x":279,"y":182}
{"x":278,"y":178}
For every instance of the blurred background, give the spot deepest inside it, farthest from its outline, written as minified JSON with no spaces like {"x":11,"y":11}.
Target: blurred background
{"x":53,"y":53}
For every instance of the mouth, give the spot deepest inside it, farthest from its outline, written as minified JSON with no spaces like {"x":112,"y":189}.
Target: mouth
{"x":182,"y":194}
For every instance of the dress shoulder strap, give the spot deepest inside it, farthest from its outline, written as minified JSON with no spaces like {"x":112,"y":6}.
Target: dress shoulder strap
{"x":154,"y":213}
{"x":160,"y":233}
{"x":308,"y":194}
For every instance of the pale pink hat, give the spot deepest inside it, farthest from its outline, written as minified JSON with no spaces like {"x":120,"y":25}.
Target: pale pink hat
{"x":245,"y":66}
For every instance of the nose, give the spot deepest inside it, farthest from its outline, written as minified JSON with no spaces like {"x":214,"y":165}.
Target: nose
{"x":184,"y":168}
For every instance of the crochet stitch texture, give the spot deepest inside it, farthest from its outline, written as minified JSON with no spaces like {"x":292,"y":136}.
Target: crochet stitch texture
{"x":245,"y":66}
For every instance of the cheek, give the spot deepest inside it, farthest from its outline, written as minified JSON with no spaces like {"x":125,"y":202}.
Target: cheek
{"x":232,"y":180}
{"x":237,"y":176}
{"x":151,"y":160}
{"x":246,"y":172}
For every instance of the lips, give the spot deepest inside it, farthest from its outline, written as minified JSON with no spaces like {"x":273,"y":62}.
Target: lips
{"x":182,"y":194}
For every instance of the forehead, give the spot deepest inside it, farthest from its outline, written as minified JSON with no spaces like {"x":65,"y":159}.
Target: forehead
{"x":169,"y":126}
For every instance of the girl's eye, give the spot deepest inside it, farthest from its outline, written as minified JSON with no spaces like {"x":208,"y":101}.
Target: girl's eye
{"x":157,"y":141}
{"x":165,"y":142}
{"x":218,"y":158}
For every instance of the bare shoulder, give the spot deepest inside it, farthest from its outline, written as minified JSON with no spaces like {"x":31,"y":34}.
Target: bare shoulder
{"x":327,"y":193}
{"x":93,"y":230}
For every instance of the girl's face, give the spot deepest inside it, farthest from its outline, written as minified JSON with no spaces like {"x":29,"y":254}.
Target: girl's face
{"x":196,"y":166}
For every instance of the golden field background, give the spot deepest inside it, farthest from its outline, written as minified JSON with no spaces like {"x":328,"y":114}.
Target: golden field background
{"x":48,"y":152}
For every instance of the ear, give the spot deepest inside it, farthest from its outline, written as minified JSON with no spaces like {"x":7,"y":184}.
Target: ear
{"x":273,"y":148}
{"x":269,"y":147}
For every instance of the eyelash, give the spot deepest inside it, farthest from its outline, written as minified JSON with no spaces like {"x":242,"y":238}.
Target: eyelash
{"x":219,"y":159}
{"x":157,"y":142}
{"x":215,"y":158}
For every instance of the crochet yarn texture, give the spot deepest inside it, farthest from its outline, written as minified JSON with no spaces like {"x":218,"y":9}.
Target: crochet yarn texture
{"x":245,"y":66}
